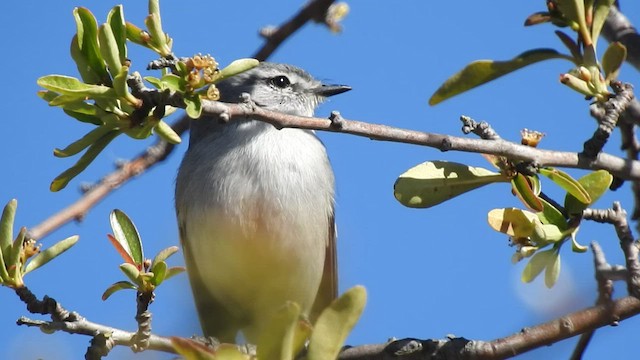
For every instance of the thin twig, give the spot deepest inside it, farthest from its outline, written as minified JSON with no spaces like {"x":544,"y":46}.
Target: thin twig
{"x":617,"y":216}
{"x":613,"y":109}
{"x":274,"y":37}
{"x":605,"y":292}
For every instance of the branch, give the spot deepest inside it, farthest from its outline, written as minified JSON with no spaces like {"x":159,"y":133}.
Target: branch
{"x":527,"y":339}
{"x":622,"y":168}
{"x":617,"y":216}
{"x":73,"y":323}
{"x":608,"y":119}
{"x":274,"y":37}
{"x":76,"y":211}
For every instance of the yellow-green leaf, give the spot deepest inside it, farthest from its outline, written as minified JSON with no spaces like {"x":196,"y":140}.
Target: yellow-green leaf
{"x":87,"y":40}
{"x":565,"y":181}
{"x":115,"y":19}
{"x":552,"y":271}
{"x":48,"y":254}
{"x":132,"y":272}
{"x":483,"y":71}
{"x":276,"y":343}
{"x":67,"y":85}
{"x":335,"y":323}
{"x":109,"y":49}
{"x":513,"y":222}
{"x":595,"y":184}
{"x":600,"y":13}
{"x":434,"y":182}
{"x":6,"y":234}
{"x":612,"y":60}
{"x":61,"y":181}
{"x":120,"y":285}
{"x":166,"y":132}
{"x":82,"y":143}
{"x":538,"y":262}
{"x":575,"y":245}
{"x":236,"y":67}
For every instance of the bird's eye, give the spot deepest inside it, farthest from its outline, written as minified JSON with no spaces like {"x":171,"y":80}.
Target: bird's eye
{"x":280,"y":81}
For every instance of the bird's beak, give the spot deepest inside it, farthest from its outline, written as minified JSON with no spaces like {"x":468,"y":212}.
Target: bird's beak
{"x":330,"y":90}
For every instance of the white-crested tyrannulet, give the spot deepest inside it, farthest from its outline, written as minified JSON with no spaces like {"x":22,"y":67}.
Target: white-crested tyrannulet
{"x":255,"y":207}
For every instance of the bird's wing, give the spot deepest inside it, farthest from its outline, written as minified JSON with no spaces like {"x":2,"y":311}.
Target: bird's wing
{"x":328,"y":290}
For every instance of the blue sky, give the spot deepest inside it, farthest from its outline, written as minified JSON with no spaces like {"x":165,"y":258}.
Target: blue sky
{"x":429,"y":273}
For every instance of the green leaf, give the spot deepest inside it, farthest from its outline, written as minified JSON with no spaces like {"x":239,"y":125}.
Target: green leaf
{"x":568,"y":183}
{"x":115,"y":19}
{"x":13,"y":260}
{"x":124,"y":253}
{"x":237,"y":67}
{"x":595,"y":184}
{"x":483,"y":71}
{"x":575,"y":245}
{"x":157,"y":83}
{"x":612,"y":60}
{"x":335,"y":323}
{"x":127,"y":235}
{"x":159,"y":273}
{"x":158,"y":37}
{"x":87,"y":31}
{"x":538,"y":262}
{"x":194,"y":106}
{"x":164,"y":254}
{"x":513,"y":222}
{"x":166,"y":133}
{"x":552,"y":271}
{"x":277,"y":343}
{"x":6,"y":225}
{"x":6,"y":235}
{"x":522,"y":188}
{"x":61,"y":181}
{"x":544,"y":234}
{"x":434,"y":182}
{"x":173,"y":82}
{"x":573,"y":11}
{"x":132,"y":272}
{"x":120,"y":285}
{"x":81,"y":144}
{"x":67,"y":85}
{"x":50,"y":253}
{"x":173,"y":271}
{"x":137,"y":35}
{"x":600,"y":14}
{"x":551,"y":215}
{"x":88,"y":75}
{"x":109,"y":49}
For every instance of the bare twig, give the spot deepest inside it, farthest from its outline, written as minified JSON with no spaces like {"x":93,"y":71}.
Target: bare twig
{"x":617,"y":166}
{"x":605,"y":291}
{"x":613,"y":109}
{"x":143,"y":318}
{"x":617,"y":216}
{"x":275,"y":36}
{"x":482,"y":129}
{"x":76,"y":211}
{"x":73,"y":323}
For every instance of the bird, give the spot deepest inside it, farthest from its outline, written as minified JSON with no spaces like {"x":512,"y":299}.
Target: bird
{"x":255,"y":207}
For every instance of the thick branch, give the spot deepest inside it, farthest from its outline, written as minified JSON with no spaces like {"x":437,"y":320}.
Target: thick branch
{"x":527,"y":339}
{"x":620,"y":167}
